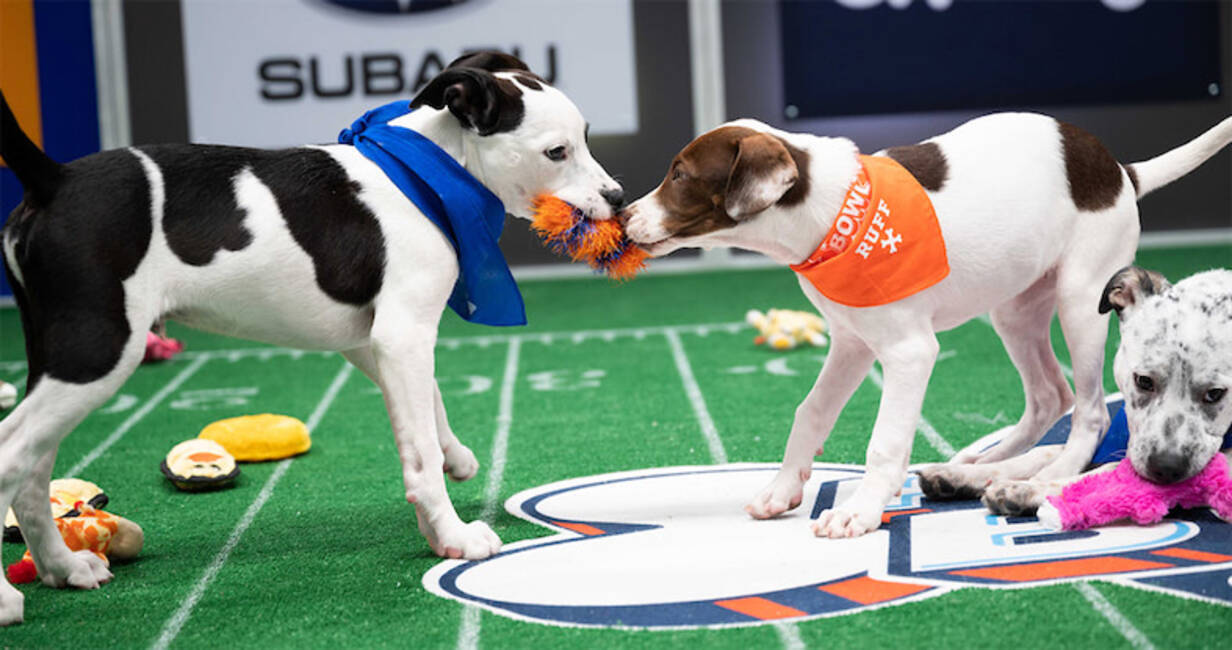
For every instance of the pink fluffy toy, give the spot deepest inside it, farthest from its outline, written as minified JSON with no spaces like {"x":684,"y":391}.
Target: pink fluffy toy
{"x":1121,"y":494}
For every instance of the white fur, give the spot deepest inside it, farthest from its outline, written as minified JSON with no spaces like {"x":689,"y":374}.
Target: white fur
{"x":1017,"y":246}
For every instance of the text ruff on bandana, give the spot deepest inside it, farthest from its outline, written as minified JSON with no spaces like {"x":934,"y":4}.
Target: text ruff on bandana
{"x":469,"y":214}
{"x":885,"y":243}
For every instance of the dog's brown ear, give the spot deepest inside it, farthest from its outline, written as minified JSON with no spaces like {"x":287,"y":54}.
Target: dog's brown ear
{"x":1128,"y":287}
{"x":479,"y":99}
{"x":761,"y":174}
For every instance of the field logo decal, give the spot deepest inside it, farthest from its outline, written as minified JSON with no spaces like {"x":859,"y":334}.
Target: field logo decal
{"x":671,"y":548}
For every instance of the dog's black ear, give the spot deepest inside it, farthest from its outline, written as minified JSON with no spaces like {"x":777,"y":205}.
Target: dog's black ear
{"x":761,"y":174}
{"x":490,"y":60}
{"x":479,"y":99}
{"x":1128,"y":287}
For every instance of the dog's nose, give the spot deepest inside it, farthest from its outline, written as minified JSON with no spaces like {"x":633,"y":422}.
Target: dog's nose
{"x":614,"y":197}
{"x":1167,"y":467}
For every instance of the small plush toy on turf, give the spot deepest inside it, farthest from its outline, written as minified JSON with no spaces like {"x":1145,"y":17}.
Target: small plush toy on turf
{"x":196,"y":465}
{"x":108,"y":536}
{"x":65,"y":494}
{"x":784,"y":329}
{"x":1119,"y":494}
{"x":600,"y":243}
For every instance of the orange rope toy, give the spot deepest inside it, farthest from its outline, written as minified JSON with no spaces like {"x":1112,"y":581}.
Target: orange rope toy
{"x":602,"y":244}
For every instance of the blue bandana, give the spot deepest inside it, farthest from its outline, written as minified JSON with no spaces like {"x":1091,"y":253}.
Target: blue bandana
{"x":1115,"y":444}
{"x":469,"y":214}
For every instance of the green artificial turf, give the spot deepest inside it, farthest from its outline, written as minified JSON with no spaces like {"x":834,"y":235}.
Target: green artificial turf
{"x":333,"y":557}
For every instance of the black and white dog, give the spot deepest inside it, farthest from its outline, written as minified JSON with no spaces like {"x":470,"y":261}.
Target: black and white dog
{"x":311,"y":247}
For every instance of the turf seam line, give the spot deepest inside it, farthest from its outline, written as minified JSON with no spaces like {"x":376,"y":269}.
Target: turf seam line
{"x":468,"y":628}
{"x":924,"y":428}
{"x":137,"y":416}
{"x":1114,"y":616}
{"x":789,"y":636}
{"x":694,"y":393}
{"x":172,"y":627}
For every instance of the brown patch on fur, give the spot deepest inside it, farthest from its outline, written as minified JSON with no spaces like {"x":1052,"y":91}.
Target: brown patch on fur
{"x":1133,"y":177}
{"x":694,"y":192}
{"x":1094,"y":175}
{"x":799,"y":191}
{"x":925,"y":161}
{"x":529,"y":81}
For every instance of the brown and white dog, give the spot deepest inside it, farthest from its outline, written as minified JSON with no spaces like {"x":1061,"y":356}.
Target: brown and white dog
{"x":1036,"y":216}
{"x":309,"y":247}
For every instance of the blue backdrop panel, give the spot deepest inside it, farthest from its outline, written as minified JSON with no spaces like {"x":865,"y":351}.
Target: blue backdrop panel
{"x":68,"y":99}
{"x":981,"y":54}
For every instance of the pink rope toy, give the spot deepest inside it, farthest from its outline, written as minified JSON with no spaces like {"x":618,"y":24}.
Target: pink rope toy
{"x":158,"y":348}
{"x":1121,"y":494}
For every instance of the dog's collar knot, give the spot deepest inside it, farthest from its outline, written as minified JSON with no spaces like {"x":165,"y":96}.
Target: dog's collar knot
{"x":885,"y":244}
{"x":466,"y":212}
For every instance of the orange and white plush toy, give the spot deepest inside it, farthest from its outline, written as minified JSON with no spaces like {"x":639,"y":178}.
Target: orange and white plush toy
{"x":108,"y":536}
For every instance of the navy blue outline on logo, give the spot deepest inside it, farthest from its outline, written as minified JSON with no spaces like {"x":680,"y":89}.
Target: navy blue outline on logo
{"x":1189,"y":567}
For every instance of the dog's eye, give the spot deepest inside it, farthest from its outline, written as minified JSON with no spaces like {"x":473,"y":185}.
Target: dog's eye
{"x":556,"y":154}
{"x":1144,"y":383}
{"x":1214,"y":395}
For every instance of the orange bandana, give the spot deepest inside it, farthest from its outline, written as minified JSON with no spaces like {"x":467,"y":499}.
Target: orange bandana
{"x":885,"y":243}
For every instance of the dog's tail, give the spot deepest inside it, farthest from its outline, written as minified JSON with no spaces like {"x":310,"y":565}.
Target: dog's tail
{"x":1150,"y":175}
{"x":38,"y":173}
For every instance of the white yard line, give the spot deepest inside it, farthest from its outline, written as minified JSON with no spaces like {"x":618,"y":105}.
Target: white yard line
{"x":137,"y":416}
{"x":789,"y":636}
{"x":694,"y":392}
{"x":924,"y":428}
{"x":468,"y":629}
{"x":571,"y":336}
{"x":1114,"y":616}
{"x":174,"y":624}
{"x":788,"y":633}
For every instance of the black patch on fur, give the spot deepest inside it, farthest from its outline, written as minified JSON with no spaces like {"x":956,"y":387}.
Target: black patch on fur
{"x":321,"y":206}
{"x":318,"y":202}
{"x":1128,"y":285}
{"x":475,"y":96}
{"x":201,"y":216}
{"x":490,"y":60}
{"x":529,"y":81}
{"x":1094,"y":175}
{"x":939,"y":488}
{"x":925,"y":161}
{"x":74,"y":253}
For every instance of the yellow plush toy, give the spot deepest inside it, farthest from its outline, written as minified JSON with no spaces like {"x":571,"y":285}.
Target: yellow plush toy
{"x":260,"y":437}
{"x":65,"y":494}
{"x":784,"y":329}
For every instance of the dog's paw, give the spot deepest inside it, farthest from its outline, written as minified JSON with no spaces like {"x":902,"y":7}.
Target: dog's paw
{"x":460,"y":462}
{"x":80,"y":570}
{"x":840,"y":523}
{"x":784,"y":493}
{"x":473,"y":541}
{"x":949,"y":482}
{"x":12,"y":604}
{"x":1014,"y":498}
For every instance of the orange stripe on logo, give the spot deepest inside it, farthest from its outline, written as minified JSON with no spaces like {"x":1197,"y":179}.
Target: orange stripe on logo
{"x":1061,"y":569}
{"x":19,"y":65}
{"x":759,"y":608}
{"x":886,"y":517}
{"x":867,"y":591}
{"x":579,"y":528}
{"x":1196,"y":556}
